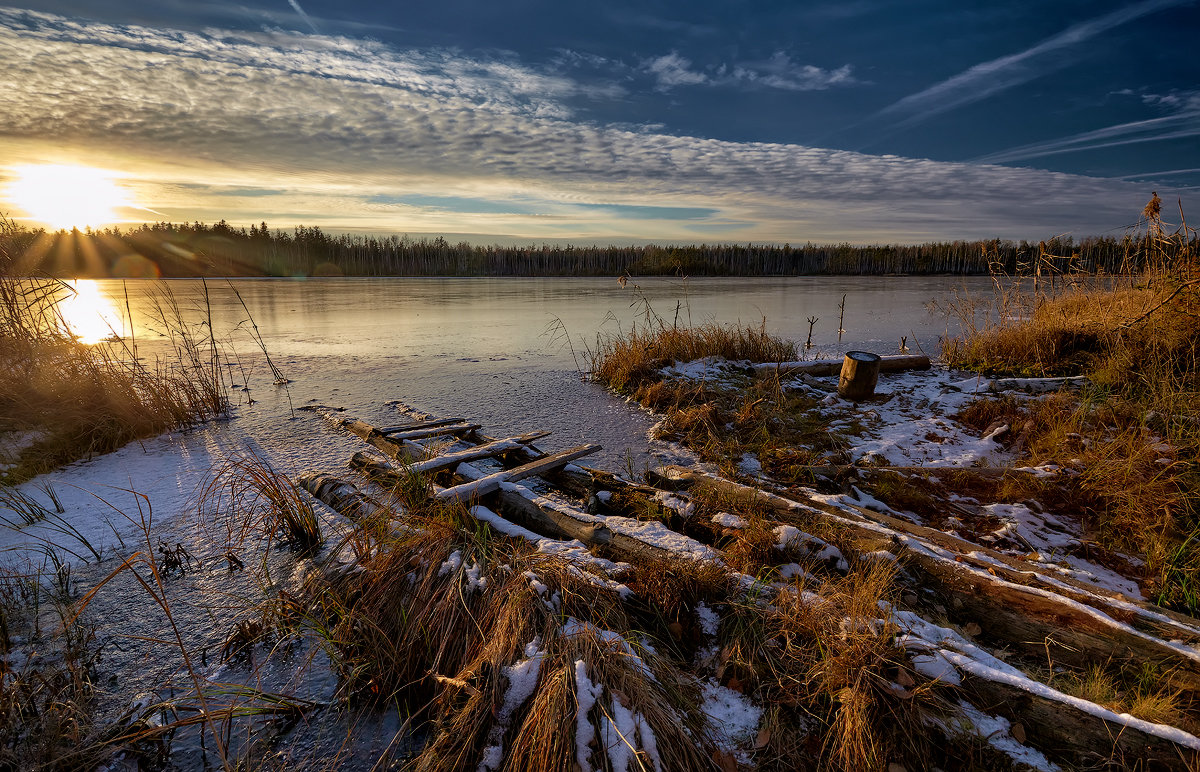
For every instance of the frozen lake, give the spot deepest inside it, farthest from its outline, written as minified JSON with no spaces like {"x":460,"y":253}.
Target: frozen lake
{"x":483,"y":348}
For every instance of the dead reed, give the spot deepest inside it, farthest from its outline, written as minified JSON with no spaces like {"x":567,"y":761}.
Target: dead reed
{"x":66,"y":399}
{"x":1133,"y":437}
{"x":625,"y":362}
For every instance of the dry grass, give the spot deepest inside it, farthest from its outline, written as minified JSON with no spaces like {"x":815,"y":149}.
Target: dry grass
{"x":625,"y":362}
{"x":47,"y":685}
{"x":74,"y":400}
{"x":1133,"y":436}
{"x":246,"y":495}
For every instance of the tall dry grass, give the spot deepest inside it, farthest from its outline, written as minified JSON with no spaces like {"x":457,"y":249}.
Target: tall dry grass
{"x":625,"y":362}
{"x":1133,"y":436}
{"x":65,"y":399}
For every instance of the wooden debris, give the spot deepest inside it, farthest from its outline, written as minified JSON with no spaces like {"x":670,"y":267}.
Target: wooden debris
{"x":998,"y":599}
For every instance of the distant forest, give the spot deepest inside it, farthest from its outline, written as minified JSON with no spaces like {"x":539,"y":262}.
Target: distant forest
{"x":197,"y":249}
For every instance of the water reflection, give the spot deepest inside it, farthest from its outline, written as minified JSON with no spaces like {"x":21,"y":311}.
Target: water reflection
{"x":88,"y":315}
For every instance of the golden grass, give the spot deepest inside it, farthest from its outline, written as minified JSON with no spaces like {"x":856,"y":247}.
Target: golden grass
{"x":624,"y":362}
{"x":248,"y":496}
{"x":1133,"y":436}
{"x":74,"y":399}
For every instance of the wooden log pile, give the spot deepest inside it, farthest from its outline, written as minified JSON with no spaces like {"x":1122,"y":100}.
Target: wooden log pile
{"x":1009,"y":606}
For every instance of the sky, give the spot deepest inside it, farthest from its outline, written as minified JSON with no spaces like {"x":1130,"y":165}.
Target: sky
{"x":622,"y":121}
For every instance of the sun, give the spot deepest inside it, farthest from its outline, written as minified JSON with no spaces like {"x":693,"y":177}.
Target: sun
{"x":63,"y":196}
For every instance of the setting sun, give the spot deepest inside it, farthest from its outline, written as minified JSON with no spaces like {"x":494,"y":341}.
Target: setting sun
{"x":63,"y":196}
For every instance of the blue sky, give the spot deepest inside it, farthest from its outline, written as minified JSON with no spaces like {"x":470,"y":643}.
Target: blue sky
{"x":615,"y":122}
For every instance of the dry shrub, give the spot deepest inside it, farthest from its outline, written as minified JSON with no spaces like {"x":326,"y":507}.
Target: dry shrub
{"x":827,"y":652}
{"x":417,"y":624}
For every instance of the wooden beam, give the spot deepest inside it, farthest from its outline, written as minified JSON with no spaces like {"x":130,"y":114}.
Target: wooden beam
{"x":492,"y":482}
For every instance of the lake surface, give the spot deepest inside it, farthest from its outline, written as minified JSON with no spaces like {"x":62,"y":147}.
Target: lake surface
{"x":489,"y":349}
{"x":494,"y":349}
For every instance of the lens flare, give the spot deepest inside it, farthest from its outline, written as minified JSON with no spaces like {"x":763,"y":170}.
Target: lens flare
{"x":88,"y":315}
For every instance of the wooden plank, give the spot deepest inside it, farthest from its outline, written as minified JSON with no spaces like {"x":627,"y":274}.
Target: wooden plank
{"x":421,"y":425}
{"x":432,"y":431}
{"x":493,"y":448}
{"x":491,"y":483}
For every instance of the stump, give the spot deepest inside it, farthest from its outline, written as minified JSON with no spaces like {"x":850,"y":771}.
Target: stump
{"x":860,"y":373}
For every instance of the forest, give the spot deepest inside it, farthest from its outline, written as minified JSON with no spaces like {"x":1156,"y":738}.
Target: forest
{"x":197,"y":249}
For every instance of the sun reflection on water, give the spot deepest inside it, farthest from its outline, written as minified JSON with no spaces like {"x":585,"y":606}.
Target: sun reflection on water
{"x":88,"y":315}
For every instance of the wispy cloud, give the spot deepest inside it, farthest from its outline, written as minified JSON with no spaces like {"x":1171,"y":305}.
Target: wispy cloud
{"x":341,"y":127}
{"x":1184,"y":122}
{"x":307,"y":19}
{"x":991,"y":77}
{"x":779,"y":71}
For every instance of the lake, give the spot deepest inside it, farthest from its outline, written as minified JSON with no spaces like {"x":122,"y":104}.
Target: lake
{"x":490,"y":349}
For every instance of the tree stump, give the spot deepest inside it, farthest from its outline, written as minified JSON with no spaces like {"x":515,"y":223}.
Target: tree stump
{"x":860,"y":373}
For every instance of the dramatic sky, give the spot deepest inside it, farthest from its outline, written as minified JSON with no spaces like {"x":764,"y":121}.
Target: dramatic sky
{"x":700,"y":121}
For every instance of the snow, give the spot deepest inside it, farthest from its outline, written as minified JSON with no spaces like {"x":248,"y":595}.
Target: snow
{"x":709,"y":621}
{"x":586,"y":695}
{"x":522,"y":679}
{"x":492,"y":759}
{"x":475,"y":578}
{"x":451,"y":564}
{"x":617,"y":736}
{"x":1054,"y":543}
{"x":934,"y":666}
{"x":732,"y":717}
{"x":995,"y":729}
{"x":749,"y":465}
{"x":658,"y":535}
{"x":726,"y":520}
{"x":648,"y":741}
{"x":676,"y":503}
{"x":789,"y":537}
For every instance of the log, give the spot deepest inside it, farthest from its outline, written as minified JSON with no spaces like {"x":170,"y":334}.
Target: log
{"x":415,"y":425}
{"x":860,"y":373}
{"x":487,"y":450}
{"x":339,"y":495}
{"x":456,"y":429}
{"x":1079,"y":630}
{"x":491,"y":483}
{"x":887,"y":364}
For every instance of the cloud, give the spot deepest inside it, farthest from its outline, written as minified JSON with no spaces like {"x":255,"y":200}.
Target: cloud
{"x":672,"y":70}
{"x":343,"y":127}
{"x":307,"y":19}
{"x":991,"y":77}
{"x":1182,"y":123}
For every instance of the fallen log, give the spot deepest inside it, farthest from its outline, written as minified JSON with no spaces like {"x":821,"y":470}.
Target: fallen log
{"x":415,"y":425}
{"x":887,"y":364}
{"x":1079,"y":630}
{"x":487,"y":450}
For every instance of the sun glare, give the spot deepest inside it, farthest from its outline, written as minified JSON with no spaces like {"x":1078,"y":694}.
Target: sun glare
{"x":63,"y":196}
{"x":88,"y":315}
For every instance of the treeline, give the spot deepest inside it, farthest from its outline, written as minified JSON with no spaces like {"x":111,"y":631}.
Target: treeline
{"x":196,"y":249}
